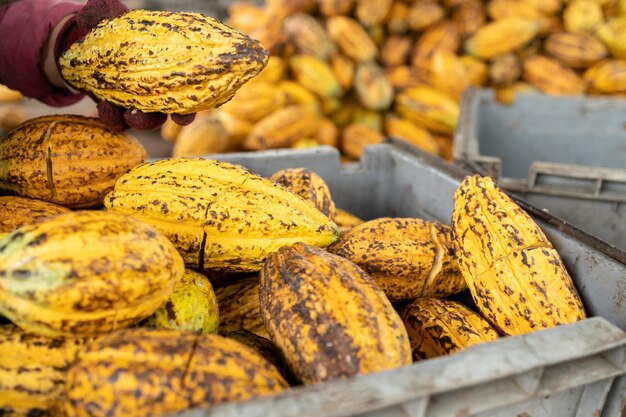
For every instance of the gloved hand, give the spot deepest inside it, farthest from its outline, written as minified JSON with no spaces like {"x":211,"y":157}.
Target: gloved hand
{"x":116,"y":118}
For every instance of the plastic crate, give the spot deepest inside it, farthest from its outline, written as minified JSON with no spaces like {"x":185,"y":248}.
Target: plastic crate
{"x":567,"y":371}
{"x":565,"y":154}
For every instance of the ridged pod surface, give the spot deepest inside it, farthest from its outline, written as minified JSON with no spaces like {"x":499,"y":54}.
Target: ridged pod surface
{"x":329,"y":319}
{"x":150,"y":372}
{"x":160,"y":61}
{"x":468,"y":17}
{"x":309,"y":36}
{"x":239,"y":307}
{"x":255,"y":101}
{"x":372,"y":86}
{"x":372,"y":12}
{"x":408,"y":258}
{"x":443,"y":35}
{"x":192,"y":306}
{"x":582,"y":16}
{"x":316,"y":76}
{"x":283,"y":127}
{"x":440,"y":327}
{"x":578,"y":50}
{"x":84,"y":273}
{"x":404,"y":129}
{"x":516,"y":277}
{"x":32,"y":372}
{"x":502,"y":36}
{"x":550,"y":76}
{"x":18,"y":211}
{"x":613,"y":34}
{"x":351,"y":38}
{"x":356,"y":137}
{"x":219,"y":216}
{"x":424,"y":14}
{"x":308,"y":185}
{"x":267,"y":349}
{"x":68,"y":160}
{"x":607,"y":76}
{"x":427,"y":107}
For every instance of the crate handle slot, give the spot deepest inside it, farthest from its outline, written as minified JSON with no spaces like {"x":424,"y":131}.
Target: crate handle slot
{"x":579,"y":181}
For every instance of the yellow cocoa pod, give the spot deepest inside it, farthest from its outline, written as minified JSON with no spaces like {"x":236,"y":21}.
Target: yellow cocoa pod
{"x":353,"y":40}
{"x":506,"y":95}
{"x":16,"y":212}
{"x":32,"y":371}
{"x":267,"y":349}
{"x":255,"y":101}
{"x":577,"y":50}
{"x":448,"y":73}
{"x":308,"y":36}
{"x":219,"y":216}
{"x":308,"y":185}
{"x":515,"y":275}
{"x":582,"y":16}
{"x":273,"y":72}
{"x":296,"y":94}
{"x":613,"y":34}
{"x":7,"y":94}
{"x":151,"y":372}
{"x":239,"y":307}
{"x":552,"y":77}
{"x":346,"y":220}
{"x":441,"y":36}
{"x":396,"y":51}
{"x":336,"y":7}
{"x":370,"y":118}
{"x":607,"y":77}
{"x":441,"y":327}
{"x":305,"y":143}
{"x":398,"y":18}
{"x":284,"y":8}
{"x":404,"y":129}
{"x":333,"y":304}
{"x":428,"y":108}
{"x":170,"y":130}
{"x":68,"y":160}
{"x":343,"y":68}
{"x":372,"y":12}
{"x":548,"y":7}
{"x":372,"y":86}
{"x":246,"y":17}
{"x":236,"y":129}
{"x":505,"y":70}
{"x":424,"y":14}
{"x":356,"y":137}
{"x":316,"y":76}
{"x":158,"y":61}
{"x":408,"y":258}
{"x":503,"y":9}
{"x":283,"y":127}
{"x":468,"y":17}
{"x":404,"y":76}
{"x":204,"y":136}
{"x":476,"y":71}
{"x":84,"y":273}
{"x":502,"y":36}
{"x":192,"y":306}
{"x":327,"y":133}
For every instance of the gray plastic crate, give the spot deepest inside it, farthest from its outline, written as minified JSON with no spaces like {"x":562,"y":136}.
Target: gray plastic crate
{"x":564,"y":154}
{"x":567,"y":371}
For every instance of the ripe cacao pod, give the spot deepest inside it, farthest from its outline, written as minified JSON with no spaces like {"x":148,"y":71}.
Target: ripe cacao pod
{"x":18,"y":211}
{"x":502,"y":36}
{"x":239,"y":307}
{"x":283,"y":127}
{"x":372,"y":86}
{"x":429,"y":108}
{"x":308,"y":185}
{"x":578,"y":50}
{"x":550,"y":76}
{"x":351,"y":38}
{"x":356,"y":137}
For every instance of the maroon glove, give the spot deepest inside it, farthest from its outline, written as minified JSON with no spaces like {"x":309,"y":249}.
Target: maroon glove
{"x":116,"y":118}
